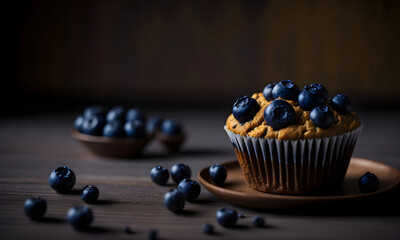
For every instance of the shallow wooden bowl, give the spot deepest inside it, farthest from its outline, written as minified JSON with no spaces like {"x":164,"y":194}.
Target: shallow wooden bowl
{"x":236,"y":190}
{"x":172,"y":142}
{"x":112,"y":147}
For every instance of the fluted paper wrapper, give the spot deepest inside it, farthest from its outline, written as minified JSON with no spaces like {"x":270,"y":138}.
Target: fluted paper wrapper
{"x":294,"y":166}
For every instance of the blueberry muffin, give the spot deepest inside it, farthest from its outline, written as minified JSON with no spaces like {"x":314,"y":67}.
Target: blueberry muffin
{"x":293,"y":142}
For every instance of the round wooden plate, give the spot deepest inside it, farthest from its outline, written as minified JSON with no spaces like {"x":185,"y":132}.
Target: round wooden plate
{"x":236,"y":191}
{"x":112,"y":147}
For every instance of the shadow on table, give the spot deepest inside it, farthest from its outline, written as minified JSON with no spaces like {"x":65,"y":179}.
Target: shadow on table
{"x":383,"y":205}
{"x":97,"y":229}
{"x":50,"y":220}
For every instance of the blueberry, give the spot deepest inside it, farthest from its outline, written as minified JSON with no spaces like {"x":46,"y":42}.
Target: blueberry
{"x":279,"y":114}
{"x":159,"y":175}
{"x":62,"y":179}
{"x":245,"y":108}
{"x":93,"y":125}
{"x":94,"y":111}
{"x":80,"y":217}
{"x":114,"y":129}
{"x":341,"y":103}
{"x":78,"y":123}
{"x":152,"y":235}
{"x":116,"y":113}
{"x":312,"y":96}
{"x":208,"y":228}
{"x":240,"y":215}
{"x":258,"y":221}
{"x":135,"y":129}
{"x":286,"y":89}
{"x":180,"y":171}
{"x":226,"y":217}
{"x":170,"y":126}
{"x":90,"y":193}
{"x":153,"y":124}
{"x":322,"y":117}
{"x":217,"y":174}
{"x":369,"y":182}
{"x":268,"y":92}
{"x":35,"y":208}
{"x":134,"y":114}
{"x":190,"y":189}
{"x":174,"y":200}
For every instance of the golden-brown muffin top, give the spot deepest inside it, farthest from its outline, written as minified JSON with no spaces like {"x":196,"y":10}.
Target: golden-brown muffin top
{"x":302,"y":129}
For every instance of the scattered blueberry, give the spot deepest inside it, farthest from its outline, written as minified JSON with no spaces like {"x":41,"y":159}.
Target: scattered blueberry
{"x":369,"y":182}
{"x":62,"y":179}
{"x":322,"y":117}
{"x":114,"y":129}
{"x":152,"y":235}
{"x":267,"y":92}
{"x":258,"y":221}
{"x":153,"y":124}
{"x":226,"y":217}
{"x":312,"y":96}
{"x":245,"y":108}
{"x":159,"y":175}
{"x":80,"y":217}
{"x":190,"y":189}
{"x":174,"y":200}
{"x":208,"y":228}
{"x":135,"y":129}
{"x":78,"y":123}
{"x":134,"y":114}
{"x":240,"y":215}
{"x":116,"y":113}
{"x":286,"y":89}
{"x":93,"y":125}
{"x":217,"y":174}
{"x":279,"y":114}
{"x":180,"y":171}
{"x":94,"y":111}
{"x":90,"y":193}
{"x":170,"y":126}
{"x":128,"y":230}
{"x":35,"y":208}
{"x":341,"y":103}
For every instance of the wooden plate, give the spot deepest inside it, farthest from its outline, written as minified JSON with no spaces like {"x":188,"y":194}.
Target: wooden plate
{"x":112,"y":147}
{"x":236,"y":191}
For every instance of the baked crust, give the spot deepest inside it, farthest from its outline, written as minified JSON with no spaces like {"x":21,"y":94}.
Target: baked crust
{"x":302,"y":129}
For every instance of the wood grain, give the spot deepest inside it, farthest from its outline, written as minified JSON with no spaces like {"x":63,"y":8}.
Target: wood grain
{"x":32,"y":146}
{"x":135,"y":50}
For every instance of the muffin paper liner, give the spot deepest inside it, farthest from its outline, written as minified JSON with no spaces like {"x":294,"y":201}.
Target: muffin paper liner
{"x":294,"y":166}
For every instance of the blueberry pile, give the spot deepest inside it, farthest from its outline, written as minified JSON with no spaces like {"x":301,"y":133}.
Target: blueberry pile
{"x":119,"y":122}
{"x":188,"y":189}
{"x":280,"y":113}
{"x":62,"y":180}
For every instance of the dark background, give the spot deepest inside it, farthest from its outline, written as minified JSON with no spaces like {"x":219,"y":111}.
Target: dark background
{"x":196,"y":53}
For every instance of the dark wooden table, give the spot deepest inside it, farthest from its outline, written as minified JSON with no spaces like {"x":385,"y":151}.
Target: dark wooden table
{"x":32,"y":146}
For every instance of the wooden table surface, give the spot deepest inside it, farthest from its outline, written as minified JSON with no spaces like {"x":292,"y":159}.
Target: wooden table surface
{"x":32,"y":146}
